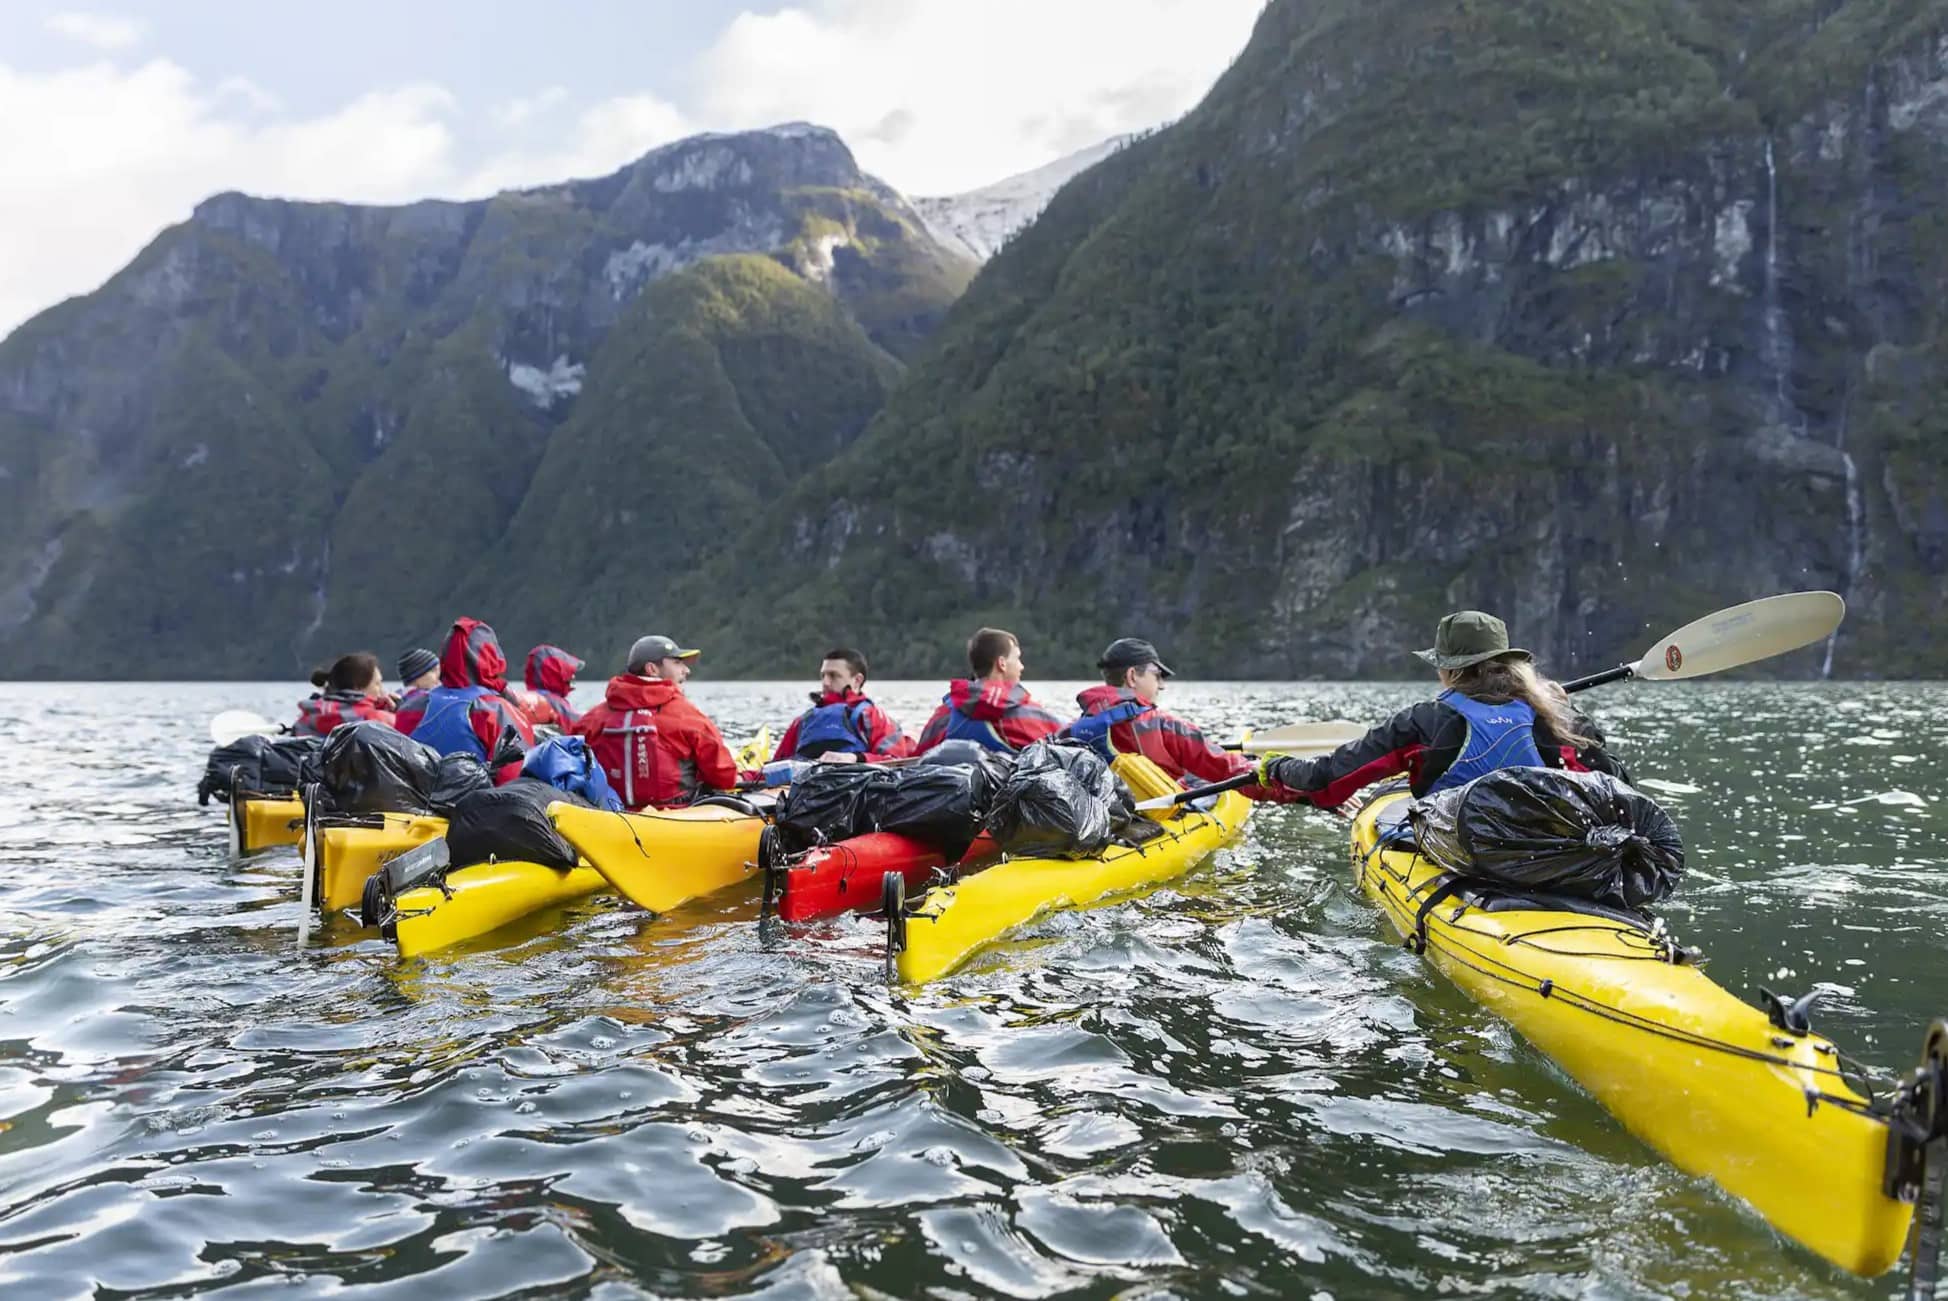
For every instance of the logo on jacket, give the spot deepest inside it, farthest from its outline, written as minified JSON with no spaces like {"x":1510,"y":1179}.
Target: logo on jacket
{"x":1673,"y":658}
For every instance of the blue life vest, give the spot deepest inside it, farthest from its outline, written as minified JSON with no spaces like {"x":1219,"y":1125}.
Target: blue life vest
{"x":1093,"y":729}
{"x":1499,"y":736}
{"x":837,"y":727}
{"x":566,"y":763}
{"x":447,"y":725}
{"x":962,"y":728}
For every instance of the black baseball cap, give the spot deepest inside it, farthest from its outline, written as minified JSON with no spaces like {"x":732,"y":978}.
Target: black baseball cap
{"x":1131,"y":653}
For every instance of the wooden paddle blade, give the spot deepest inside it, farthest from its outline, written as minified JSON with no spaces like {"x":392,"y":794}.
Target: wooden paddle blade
{"x":1301,"y":739}
{"x":232,"y":724}
{"x":1743,"y":634}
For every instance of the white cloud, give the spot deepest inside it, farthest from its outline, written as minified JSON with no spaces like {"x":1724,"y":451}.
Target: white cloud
{"x":103,"y":31}
{"x":605,"y":137}
{"x":935,"y":101}
{"x":929,"y":99}
{"x":116,"y":154}
{"x":523,"y":109}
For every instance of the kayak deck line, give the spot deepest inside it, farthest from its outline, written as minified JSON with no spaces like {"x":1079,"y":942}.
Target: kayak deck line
{"x":982,"y":907}
{"x":1664,"y":951}
{"x":691,"y":851}
{"x":1711,"y":1082}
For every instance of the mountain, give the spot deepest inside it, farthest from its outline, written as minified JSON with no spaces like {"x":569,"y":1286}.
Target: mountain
{"x":979,"y":222}
{"x":288,"y":428}
{"x":1600,"y":316}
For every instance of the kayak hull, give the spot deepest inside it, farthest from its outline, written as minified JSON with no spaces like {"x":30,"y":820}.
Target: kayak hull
{"x":475,"y":901}
{"x":952,"y":924}
{"x":660,"y":860}
{"x":850,"y":876}
{"x":1699,"y":1075}
{"x":347,"y":855}
{"x":261,"y":821}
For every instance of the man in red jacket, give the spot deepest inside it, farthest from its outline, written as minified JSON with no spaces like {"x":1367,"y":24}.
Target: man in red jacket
{"x":843,"y":726}
{"x":1126,"y":705}
{"x":655,"y":746}
{"x":991,"y":708}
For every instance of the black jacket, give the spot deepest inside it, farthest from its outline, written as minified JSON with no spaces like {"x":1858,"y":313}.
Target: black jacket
{"x":1422,"y":741}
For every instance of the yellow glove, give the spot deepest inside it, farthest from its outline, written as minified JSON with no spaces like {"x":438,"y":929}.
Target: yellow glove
{"x":1266,"y":772}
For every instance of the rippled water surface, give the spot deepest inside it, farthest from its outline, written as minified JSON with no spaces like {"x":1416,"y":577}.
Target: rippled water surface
{"x":1237,"y":1086}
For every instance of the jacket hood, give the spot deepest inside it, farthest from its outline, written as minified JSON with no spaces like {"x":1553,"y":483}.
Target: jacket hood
{"x":1102,"y":696}
{"x":550,"y":668}
{"x":986,"y":702}
{"x":627,"y":691}
{"x":823,"y":697}
{"x":472,"y":657}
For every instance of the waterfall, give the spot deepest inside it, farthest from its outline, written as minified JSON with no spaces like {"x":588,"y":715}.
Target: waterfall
{"x":1776,"y":354}
{"x":317,"y":601}
{"x":1855,"y":547}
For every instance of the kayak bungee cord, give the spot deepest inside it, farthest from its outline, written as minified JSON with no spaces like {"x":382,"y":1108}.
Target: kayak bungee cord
{"x":1515,"y":978}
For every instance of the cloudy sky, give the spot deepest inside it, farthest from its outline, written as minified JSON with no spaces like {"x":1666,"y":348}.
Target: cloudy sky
{"x":114,"y":122}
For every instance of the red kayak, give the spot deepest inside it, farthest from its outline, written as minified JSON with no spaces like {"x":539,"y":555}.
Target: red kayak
{"x":850,"y":876}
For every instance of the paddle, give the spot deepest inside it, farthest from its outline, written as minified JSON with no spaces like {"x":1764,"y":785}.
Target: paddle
{"x":1329,"y":735}
{"x":233,"y":724}
{"x":1322,"y":744}
{"x":1742,"y":634}
{"x":1739,"y":635}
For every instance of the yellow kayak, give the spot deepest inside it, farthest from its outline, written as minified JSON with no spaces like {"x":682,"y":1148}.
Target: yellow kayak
{"x":661,"y":859}
{"x":953,"y":923}
{"x":1703,"y":1077}
{"x":472,"y":901}
{"x":345,"y":851}
{"x":257,"y":821}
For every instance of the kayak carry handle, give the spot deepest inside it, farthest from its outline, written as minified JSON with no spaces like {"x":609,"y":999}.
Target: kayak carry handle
{"x":1917,"y":1159}
{"x":1793,"y":1015}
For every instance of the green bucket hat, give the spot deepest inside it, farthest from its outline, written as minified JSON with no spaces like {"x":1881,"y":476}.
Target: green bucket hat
{"x":1469,"y":637}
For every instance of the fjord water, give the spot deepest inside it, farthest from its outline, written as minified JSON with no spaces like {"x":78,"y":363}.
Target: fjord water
{"x":1239,"y":1085}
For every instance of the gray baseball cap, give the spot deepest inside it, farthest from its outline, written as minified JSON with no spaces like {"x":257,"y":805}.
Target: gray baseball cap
{"x":653,"y":649}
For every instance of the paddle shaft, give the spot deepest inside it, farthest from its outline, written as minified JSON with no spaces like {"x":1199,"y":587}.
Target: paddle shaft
{"x":1617,"y":674}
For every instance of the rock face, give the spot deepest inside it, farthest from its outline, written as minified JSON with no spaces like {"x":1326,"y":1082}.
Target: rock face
{"x":1600,"y":317}
{"x":287,"y":428}
{"x":977,"y":223}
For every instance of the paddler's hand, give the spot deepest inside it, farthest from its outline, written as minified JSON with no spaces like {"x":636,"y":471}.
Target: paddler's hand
{"x":1268,"y":768}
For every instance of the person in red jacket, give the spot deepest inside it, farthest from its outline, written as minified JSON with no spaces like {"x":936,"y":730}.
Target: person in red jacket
{"x":467,"y":713}
{"x":843,"y":726}
{"x":654,"y":745}
{"x":1126,"y":706}
{"x":352,"y":690}
{"x":549,"y":676}
{"x":991,"y":708}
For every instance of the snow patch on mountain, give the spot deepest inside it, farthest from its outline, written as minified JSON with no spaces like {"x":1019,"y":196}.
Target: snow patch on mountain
{"x":544,"y":388}
{"x":979,"y":222}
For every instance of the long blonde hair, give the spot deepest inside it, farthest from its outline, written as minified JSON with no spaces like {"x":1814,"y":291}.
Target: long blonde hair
{"x":1513,"y":678}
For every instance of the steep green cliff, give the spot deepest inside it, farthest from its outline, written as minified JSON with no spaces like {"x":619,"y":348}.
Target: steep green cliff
{"x":1599,"y":315}
{"x":289,"y":428}
{"x":1596,"y":314}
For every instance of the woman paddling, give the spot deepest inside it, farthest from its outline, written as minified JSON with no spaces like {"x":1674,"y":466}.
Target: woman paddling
{"x":352,"y":690}
{"x":1494,"y":711}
